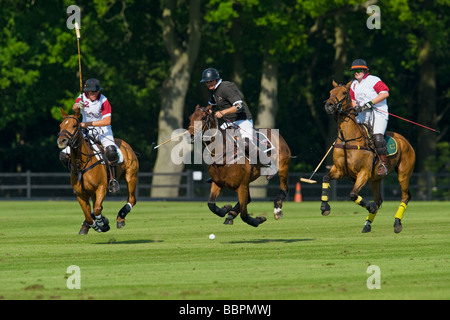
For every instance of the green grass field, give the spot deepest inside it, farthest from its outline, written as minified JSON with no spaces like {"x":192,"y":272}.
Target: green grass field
{"x":164,"y":253}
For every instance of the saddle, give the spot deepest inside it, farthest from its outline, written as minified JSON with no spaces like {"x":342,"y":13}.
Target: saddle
{"x":262,"y":150}
{"x":391,"y":143}
{"x":100,"y":154}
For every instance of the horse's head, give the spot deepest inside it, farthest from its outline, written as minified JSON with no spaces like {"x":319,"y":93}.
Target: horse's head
{"x":70,"y":130}
{"x":339,"y":99}
{"x":201,"y":120}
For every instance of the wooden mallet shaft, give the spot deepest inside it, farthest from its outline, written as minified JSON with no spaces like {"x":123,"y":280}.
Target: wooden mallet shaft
{"x":179,"y":135}
{"x":318,"y":166}
{"x":77,"y":30}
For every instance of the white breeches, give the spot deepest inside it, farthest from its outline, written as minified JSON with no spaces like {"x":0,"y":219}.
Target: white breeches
{"x":376,"y":119}
{"x":245,"y":126}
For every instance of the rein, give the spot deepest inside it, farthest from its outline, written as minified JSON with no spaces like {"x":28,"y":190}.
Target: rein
{"x":74,"y":141}
{"x":346,"y":114}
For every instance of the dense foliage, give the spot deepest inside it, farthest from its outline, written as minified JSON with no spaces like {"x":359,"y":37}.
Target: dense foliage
{"x":313,"y":42}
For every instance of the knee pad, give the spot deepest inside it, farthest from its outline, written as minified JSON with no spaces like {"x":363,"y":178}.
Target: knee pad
{"x":65,"y":157}
{"x":112,"y":155}
{"x":380,"y":143}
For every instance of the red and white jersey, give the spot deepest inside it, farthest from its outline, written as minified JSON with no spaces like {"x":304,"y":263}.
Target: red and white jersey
{"x":94,"y":110}
{"x":368,"y":89}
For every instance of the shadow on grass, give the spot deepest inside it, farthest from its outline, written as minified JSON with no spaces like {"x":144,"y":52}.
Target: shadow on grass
{"x":114,"y":241}
{"x":258,"y":241}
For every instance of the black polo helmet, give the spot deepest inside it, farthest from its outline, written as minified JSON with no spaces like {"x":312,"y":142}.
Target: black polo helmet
{"x":92,"y":85}
{"x":359,"y":64}
{"x":210,"y":74}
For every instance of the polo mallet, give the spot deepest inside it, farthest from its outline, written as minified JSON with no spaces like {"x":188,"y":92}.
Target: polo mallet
{"x":318,"y":166}
{"x":417,"y":124}
{"x":179,"y":135}
{"x":77,"y":30}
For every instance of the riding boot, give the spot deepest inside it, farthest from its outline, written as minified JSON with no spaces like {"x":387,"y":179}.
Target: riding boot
{"x":113,"y":183}
{"x":380,"y":145}
{"x":65,"y":159}
{"x":251,"y":151}
{"x":382,"y":168}
{"x":113,"y":159}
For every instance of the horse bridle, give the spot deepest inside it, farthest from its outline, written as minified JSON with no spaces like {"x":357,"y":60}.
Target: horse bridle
{"x":206,"y":121}
{"x":337,"y":104}
{"x":73,"y":139}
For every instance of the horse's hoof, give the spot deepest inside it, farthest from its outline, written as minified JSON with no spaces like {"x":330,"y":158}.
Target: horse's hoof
{"x":229,"y":219}
{"x":84,"y":228}
{"x":398,"y":225}
{"x":261,"y":219}
{"x":120,"y":223}
{"x":83,"y":231}
{"x":325,"y":208}
{"x":367,"y":227}
{"x":277,"y":213}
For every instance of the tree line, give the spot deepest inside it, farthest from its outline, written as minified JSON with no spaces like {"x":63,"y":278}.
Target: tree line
{"x":283,"y":55}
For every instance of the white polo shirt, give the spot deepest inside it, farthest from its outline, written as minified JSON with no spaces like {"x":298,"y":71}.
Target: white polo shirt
{"x":366,"y":90}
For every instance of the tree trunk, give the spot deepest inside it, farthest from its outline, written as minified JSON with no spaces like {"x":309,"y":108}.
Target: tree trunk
{"x":427,"y":140}
{"x":173,"y":96}
{"x":267,"y":111}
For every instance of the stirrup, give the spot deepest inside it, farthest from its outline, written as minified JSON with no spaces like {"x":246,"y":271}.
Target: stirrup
{"x":113,"y":186}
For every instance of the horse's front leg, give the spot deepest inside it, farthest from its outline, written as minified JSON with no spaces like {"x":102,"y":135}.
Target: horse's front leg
{"x":334,"y":173}
{"x":234,"y":212}
{"x":214,"y":193}
{"x":86,"y":207}
{"x":101,"y":223}
{"x":243,"y":194}
{"x":371,"y":207}
{"x":282,"y":193}
{"x":131,"y":185}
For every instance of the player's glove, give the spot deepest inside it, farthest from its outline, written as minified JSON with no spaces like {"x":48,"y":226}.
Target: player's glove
{"x":364,"y":107}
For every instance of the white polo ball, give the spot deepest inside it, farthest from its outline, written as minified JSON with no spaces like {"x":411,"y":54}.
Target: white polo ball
{"x":212,"y":236}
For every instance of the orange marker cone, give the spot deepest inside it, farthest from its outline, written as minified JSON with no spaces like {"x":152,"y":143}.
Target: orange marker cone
{"x":298,"y":193}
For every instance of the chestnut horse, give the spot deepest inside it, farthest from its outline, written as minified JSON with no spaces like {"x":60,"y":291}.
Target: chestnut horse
{"x":354,"y":157}
{"x":89,"y":178}
{"x":238,"y":174}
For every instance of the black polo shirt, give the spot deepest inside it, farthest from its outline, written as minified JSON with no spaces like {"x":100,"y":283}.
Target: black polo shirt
{"x":224,"y":96}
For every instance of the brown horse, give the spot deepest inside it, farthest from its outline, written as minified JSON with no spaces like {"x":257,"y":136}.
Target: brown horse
{"x":89,"y":179}
{"x":238,"y":173}
{"x":354,"y":157}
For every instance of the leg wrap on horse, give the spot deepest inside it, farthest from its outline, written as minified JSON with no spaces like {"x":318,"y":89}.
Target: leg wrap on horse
{"x":216,"y":210}
{"x":125,"y":210}
{"x":370,"y":206}
{"x":325,"y":187}
{"x":254,"y":222}
{"x":400,"y":211}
